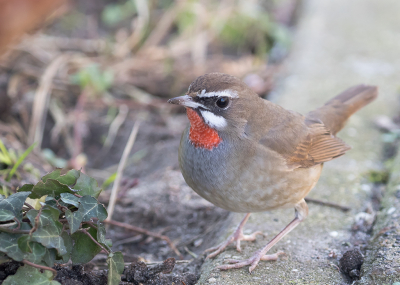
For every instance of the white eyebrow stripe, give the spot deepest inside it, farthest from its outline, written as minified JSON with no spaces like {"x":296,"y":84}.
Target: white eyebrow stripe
{"x":223,"y":93}
{"x":214,"y":121}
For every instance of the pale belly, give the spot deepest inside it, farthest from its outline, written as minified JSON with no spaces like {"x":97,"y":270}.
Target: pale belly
{"x":245,"y":181}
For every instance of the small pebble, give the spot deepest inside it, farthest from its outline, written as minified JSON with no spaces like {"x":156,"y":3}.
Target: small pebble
{"x":295,"y":270}
{"x":198,"y":242}
{"x":365,"y":187}
{"x":334,"y":234}
{"x":391,"y":210}
{"x":212,"y":280}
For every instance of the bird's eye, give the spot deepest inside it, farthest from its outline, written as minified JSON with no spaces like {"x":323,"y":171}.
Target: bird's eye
{"x":222,"y":102}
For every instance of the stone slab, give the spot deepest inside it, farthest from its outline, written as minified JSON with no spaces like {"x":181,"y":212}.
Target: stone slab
{"x":337,"y":44}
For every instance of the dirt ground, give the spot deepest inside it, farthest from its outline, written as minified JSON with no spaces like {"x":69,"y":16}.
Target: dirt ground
{"x":153,"y":193}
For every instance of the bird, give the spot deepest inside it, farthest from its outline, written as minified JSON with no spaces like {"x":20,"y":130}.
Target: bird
{"x":246,"y":154}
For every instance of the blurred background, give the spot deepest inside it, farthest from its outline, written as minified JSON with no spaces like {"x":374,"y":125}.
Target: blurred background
{"x":75,"y":77}
{"x":86,"y":70}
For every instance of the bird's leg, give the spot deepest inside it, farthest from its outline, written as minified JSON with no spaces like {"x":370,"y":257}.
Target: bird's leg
{"x":301,"y":213}
{"x":236,"y":236}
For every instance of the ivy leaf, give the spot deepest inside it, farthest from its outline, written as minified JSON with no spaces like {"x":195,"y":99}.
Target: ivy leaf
{"x":51,"y":202}
{"x":9,"y":245}
{"x":116,"y":265}
{"x":23,"y":243}
{"x":49,"y":231}
{"x":101,"y":233}
{"x":53,"y":210}
{"x":68,"y":179}
{"x":14,"y":203}
{"x":70,"y":199}
{"x":6,"y":215}
{"x":74,"y":220}
{"x":4,"y":258}
{"x":68,"y":245}
{"x":51,"y":187}
{"x":84,"y":247}
{"x":50,"y":256}
{"x":26,"y":188}
{"x":31,"y":215}
{"x":86,"y":185}
{"x":34,"y":251}
{"x":90,"y":208}
{"x":32,"y":275}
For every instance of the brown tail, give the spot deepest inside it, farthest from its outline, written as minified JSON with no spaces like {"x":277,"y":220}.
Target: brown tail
{"x":336,"y":111}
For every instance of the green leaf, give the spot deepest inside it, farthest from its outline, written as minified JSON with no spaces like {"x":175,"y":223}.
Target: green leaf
{"x":68,"y":245}
{"x":54,"y":211}
{"x":19,"y":161}
{"x":90,"y":208}
{"x":23,"y":243}
{"x":74,"y":220}
{"x":84,"y":247}
{"x":6,"y":215}
{"x":116,"y":265}
{"x":101,"y":233}
{"x":51,"y":187}
{"x":25,"y":188}
{"x":9,"y":245}
{"x":6,"y":157}
{"x":14,"y":203}
{"x":50,"y":202}
{"x":50,"y":256}
{"x":4,"y":258}
{"x":69,"y":178}
{"x":30,"y":275}
{"x":49,"y":231}
{"x":70,"y":199}
{"x":34,"y":251}
{"x":31,"y":215}
{"x":87,"y":186}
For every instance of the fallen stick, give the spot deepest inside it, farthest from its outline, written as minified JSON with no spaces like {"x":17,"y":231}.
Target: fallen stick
{"x":146,"y":232}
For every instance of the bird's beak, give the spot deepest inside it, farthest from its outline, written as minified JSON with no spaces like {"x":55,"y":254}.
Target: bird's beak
{"x":181,"y":100}
{"x":186,"y":101}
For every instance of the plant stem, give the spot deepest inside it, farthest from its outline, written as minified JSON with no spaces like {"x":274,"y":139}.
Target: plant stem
{"x":13,"y":231}
{"x":29,"y":206}
{"x":40,"y":267}
{"x":95,"y":241}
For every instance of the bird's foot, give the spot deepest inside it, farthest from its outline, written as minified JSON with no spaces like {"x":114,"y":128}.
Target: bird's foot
{"x":252,"y":261}
{"x":236,"y":236}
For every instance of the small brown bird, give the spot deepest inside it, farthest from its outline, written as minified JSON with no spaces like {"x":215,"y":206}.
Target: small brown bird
{"x":246,"y":154}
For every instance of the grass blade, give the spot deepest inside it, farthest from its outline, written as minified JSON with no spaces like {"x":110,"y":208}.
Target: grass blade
{"x":19,"y":161}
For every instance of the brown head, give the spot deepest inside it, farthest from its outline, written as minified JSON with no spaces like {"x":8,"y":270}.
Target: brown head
{"x":222,"y":102}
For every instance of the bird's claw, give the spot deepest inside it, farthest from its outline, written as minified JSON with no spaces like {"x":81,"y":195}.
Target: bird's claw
{"x":237,"y":236}
{"x":252,"y":261}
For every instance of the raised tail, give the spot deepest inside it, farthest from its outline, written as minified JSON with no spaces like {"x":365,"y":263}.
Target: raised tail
{"x":336,"y":111}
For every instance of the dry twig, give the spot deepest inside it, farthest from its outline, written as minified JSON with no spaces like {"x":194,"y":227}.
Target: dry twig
{"x":146,"y":232}
{"x":40,"y":105}
{"x":121,"y":166}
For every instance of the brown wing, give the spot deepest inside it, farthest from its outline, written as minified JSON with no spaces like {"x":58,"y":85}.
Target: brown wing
{"x":318,"y":146}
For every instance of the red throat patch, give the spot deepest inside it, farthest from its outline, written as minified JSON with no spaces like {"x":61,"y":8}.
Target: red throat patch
{"x":200,"y":134}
